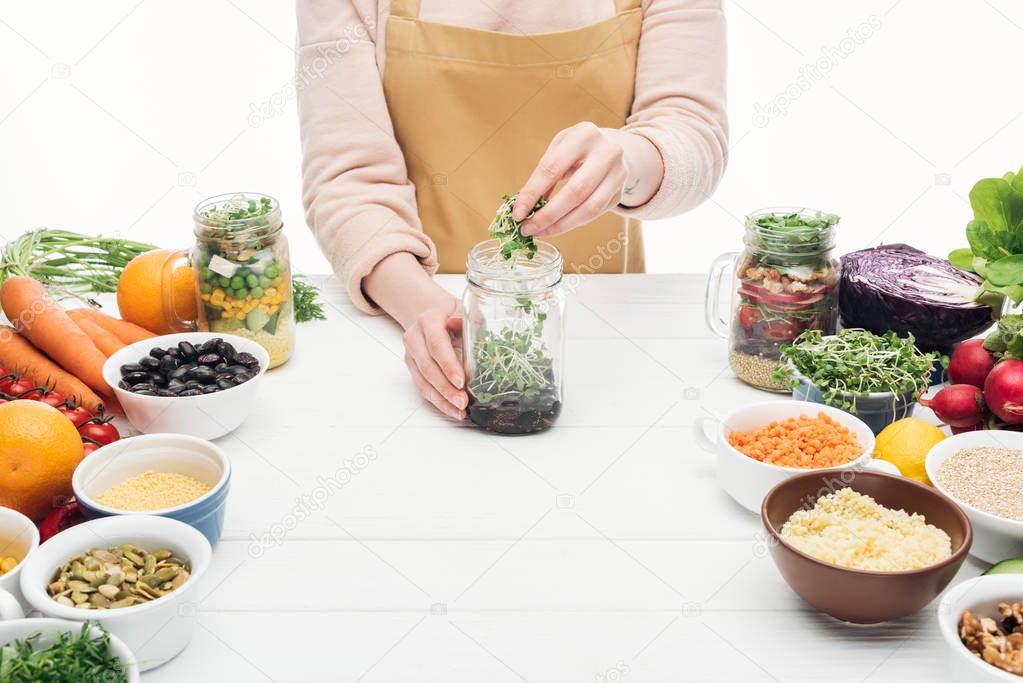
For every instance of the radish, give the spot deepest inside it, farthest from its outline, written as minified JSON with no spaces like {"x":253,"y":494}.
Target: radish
{"x":1003,"y":391}
{"x":958,"y":405}
{"x":970,"y":363}
{"x":961,"y":430}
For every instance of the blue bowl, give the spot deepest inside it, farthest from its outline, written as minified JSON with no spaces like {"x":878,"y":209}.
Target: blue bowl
{"x":127,"y":458}
{"x":878,"y":410}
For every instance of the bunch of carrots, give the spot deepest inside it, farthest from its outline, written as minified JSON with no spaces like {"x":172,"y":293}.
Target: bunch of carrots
{"x":63,"y":351}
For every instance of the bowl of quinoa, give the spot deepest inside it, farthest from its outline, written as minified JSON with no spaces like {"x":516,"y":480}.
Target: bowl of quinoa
{"x":169,"y":475}
{"x":982,"y":472}
{"x":864,"y":547}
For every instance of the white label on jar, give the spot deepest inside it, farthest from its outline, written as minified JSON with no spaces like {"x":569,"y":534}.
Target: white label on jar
{"x":221,"y":266}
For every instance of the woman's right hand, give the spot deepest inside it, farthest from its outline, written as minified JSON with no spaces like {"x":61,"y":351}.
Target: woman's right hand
{"x":431,"y":359}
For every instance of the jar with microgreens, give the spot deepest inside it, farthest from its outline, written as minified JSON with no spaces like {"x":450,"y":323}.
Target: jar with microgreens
{"x":243,"y":271}
{"x":513,"y":336}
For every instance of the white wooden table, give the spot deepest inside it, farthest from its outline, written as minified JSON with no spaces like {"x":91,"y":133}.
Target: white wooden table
{"x":370,"y":539}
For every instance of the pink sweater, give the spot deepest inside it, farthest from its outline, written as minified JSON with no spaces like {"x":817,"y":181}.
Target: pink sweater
{"x":358,"y":198}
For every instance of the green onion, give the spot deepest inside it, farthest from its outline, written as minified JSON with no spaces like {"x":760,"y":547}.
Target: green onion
{"x":70,"y":659}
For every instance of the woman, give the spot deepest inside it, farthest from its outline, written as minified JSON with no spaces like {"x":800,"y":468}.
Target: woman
{"x":418,"y":115}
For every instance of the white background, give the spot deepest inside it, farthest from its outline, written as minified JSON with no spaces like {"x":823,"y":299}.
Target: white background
{"x":118,"y":116}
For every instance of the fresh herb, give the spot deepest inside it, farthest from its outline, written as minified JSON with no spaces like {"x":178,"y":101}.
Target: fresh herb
{"x":792,"y":240}
{"x":238,"y":209}
{"x":856,"y":362}
{"x":996,"y":236}
{"x":1006,"y":340}
{"x":306,"y":298}
{"x":69,"y":263}
{"x":505,"y":228}
{"x":70,"y":659}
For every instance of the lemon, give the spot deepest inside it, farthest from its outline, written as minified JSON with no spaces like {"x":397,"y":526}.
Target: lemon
{"x":905,"y":444}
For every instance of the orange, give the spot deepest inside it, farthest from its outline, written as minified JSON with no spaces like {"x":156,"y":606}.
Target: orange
{"x":140,"y":293}
{"x":39,"y":450}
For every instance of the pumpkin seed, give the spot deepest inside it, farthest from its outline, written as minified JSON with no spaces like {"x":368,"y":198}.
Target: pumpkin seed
{"x":121,"y":576}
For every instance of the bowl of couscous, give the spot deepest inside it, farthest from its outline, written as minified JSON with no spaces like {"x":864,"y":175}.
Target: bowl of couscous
{"x":864,"y":547}
{"x":168,"y":475}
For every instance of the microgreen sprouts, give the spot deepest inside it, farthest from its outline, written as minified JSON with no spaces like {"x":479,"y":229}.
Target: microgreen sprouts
{"x":513,"y":361}
{"x":856,"y":362}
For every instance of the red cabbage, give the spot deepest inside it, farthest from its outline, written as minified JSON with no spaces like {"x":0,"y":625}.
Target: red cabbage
{"x":899,"y":288}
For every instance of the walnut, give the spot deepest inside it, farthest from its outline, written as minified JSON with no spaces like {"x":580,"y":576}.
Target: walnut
{"x":998,"y":644}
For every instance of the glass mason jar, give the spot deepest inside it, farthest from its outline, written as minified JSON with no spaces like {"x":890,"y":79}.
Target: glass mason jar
{"x":243,"y":271}
{"x":783,"y":282}
{"x":513,"y":338}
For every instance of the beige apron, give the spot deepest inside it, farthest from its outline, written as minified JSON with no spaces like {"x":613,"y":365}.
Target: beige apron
{"x":474,"y":110}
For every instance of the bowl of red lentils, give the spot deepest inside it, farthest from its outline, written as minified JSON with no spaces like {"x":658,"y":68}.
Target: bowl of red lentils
{"x":761,"y":445}
{"x":982,"y":472}
{"x":169,"y":475}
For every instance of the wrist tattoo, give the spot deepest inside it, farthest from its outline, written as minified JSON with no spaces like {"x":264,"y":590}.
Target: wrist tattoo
{"x":627,"y":190}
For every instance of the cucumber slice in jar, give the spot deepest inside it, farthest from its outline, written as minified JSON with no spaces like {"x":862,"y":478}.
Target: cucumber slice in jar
{"x":255,"y":320}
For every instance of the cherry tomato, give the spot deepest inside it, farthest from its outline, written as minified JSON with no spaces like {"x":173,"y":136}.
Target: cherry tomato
{"x":19,"y":388}
{"x":51,"y":398}
{"x":749,"y":316}
{"x":77,"y":414}
{"x":100,"y":430}
{"x":782,"y":330}
{"x":89,"y":447}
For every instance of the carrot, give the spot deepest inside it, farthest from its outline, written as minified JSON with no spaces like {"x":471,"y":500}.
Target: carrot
{"x":127,"y":332}
{"x":41,"y":319}
{"x":105,"y":341}
{"x":17,"y":355}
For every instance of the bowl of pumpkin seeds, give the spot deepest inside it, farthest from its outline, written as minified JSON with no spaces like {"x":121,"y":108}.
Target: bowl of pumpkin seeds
{"x":134,"y":574}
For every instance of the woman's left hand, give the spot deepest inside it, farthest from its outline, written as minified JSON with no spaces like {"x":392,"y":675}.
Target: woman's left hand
{"x":592,"y":159}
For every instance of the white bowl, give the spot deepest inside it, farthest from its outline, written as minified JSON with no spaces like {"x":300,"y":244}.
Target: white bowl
{"x":208,"y":416}
{"x":155,"y":631}
{"x":981,"y":596}
{"x":748,"y":480}
{"x":47,"y":628}
{"x":19,"y":538}
{"x":994,"y":538}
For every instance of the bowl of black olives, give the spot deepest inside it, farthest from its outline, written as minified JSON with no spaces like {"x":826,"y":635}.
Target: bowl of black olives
{"x":197,"y":383}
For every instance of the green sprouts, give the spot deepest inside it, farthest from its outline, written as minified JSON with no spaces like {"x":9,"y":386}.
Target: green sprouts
{"x":514,"y":361}
{"x":856,"y":362}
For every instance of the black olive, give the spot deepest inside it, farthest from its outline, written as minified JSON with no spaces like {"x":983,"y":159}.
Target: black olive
{"x":187,"y":350}
{"x":180,"y":371}
{"x":129,"y":368}
{"x":144,"y":386}
{"x":226,"y":351}
{"x":201,"y":374}
{"x":137,"y":377}
{"x":210,"y":359}
{"x":225,"y":382}
{"x":168,"y":364}
{"x":246,"y":359}
{"x":210,"y":389}
{"x":191,"y":392}
{"x":149,"y":363}
{"x":124,"y":385}
{"x":173,"y":351}
{"x":157,"y":352}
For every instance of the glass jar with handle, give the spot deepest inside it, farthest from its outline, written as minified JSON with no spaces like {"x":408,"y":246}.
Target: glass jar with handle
{"x":513,"y":338}
{"x":783,"y":282}
{"x":242,"y":271}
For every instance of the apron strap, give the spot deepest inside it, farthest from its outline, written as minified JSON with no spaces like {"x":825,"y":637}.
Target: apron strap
{"x":406,"y":8}
{"x":623,"y":6}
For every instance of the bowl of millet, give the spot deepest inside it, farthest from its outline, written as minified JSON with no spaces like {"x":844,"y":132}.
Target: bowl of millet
{"x":169,"y":475}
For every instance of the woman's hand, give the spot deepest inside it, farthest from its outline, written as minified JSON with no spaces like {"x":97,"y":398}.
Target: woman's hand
{"x":430,"y":357}
{"x":603,"y":167}
{"x":431,"y":317}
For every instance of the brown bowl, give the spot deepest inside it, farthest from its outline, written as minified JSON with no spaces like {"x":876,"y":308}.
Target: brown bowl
{"x":856,"y":595}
